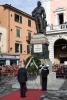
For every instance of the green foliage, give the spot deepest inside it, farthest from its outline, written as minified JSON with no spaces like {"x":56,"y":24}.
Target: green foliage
{"x":31,"y":68}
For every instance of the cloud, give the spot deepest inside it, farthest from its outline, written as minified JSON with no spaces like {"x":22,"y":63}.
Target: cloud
{"x":24,"y":5}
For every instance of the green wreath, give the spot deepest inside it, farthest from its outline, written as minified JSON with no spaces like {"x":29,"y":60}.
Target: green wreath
{"x":32,"y":68}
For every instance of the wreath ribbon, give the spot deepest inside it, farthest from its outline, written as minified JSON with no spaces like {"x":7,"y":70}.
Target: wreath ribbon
{"x":30,"y":62}
{"x":31,"y":59}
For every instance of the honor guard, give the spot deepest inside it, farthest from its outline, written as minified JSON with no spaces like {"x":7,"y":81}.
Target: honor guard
{"x":44,"y":74}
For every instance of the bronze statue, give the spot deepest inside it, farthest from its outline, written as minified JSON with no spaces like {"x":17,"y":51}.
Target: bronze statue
{"x":39,"y":15}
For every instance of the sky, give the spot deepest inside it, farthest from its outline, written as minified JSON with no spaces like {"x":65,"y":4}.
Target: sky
{"x":24,"y":5}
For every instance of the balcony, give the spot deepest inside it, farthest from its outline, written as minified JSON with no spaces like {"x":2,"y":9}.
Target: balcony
{"x":62,"y":28}
{"x":28,"y":38}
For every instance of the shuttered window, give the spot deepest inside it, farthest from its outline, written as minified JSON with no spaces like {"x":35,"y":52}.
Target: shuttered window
{"x":18,"y":32}
{"x":18,"y":48}
{"x":29,"y":22}
{"x":29,"y":35}
{"x":28,"y":49}
{"x":18,"y":18}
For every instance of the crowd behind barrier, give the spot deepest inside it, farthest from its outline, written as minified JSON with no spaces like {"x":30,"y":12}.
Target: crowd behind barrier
{"x":9,"y":70}
{"x":60,"y":69}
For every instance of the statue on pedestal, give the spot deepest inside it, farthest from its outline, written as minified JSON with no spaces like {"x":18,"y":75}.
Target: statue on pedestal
{"x":39,"y":15}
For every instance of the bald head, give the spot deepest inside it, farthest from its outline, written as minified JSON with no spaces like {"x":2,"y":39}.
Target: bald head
{"x":22,"y":65}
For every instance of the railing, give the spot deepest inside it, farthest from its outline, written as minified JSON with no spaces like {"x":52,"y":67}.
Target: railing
{"x":28,"y":38}
{"x":56,"y":27}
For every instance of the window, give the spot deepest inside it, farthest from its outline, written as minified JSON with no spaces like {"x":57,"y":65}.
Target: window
{"x":29,"y":22}
{"x":28,"y":49}
{"x":61,"y":18}
{"x":18,"y":32}
{"x":29,"y":35}
{"x":18,"y":48}
{"x":60,"y":15}
{"x":18,"y":18}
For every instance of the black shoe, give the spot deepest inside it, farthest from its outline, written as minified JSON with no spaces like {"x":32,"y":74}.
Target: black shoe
{"x":23,"y":96}
{"x":43,"y":90}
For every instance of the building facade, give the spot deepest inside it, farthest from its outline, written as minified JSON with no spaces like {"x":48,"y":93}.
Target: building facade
{"x":3,"y":34}
{"x":56,"y":16}
{"x":20,"y":28}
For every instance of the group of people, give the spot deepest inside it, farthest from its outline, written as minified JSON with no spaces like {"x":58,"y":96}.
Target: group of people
{"x":7,"y":70}
{"x":40,"y":19}
{"x":21,"y":73}
{"x":22,"y":78}
{"x":60,"y":68}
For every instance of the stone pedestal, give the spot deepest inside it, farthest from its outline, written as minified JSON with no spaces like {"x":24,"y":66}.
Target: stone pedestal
{"x":39,"y":47}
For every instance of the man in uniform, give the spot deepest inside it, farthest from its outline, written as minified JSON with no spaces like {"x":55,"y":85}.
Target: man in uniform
{"x":44,"y":74}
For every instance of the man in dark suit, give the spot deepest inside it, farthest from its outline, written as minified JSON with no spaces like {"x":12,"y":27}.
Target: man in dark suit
{"x":22,"y":78}
{"x":44,"y":74}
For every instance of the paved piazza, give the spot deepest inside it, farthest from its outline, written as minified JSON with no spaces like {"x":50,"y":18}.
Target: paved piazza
{"x":6,"y":85}
{"x":60,"y":94}
{"x":7,"y":82}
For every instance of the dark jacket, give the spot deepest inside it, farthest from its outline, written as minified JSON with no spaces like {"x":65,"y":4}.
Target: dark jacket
{"x":22,"y":75}
{"x":44,"y":71}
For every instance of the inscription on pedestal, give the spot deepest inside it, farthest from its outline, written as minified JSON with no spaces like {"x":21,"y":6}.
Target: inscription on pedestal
{"x":40,"y":50}
{"x":37,"y":48}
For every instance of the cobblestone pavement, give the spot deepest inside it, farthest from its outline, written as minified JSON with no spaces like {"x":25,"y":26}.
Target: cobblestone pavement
{"x":60,"y":94}
{"x":7,"y":82}
{"x":6,"y":85}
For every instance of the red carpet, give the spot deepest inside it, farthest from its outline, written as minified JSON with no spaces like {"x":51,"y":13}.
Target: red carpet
{"x":32,"y":94}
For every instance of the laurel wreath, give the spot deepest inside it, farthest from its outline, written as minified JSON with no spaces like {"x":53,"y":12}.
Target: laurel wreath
{"x":32,"y":67}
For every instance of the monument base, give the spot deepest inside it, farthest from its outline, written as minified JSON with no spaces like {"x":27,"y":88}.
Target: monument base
{"x":39,"y":46}
{"x":34,"y":81}
{"x":51,"y":77}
